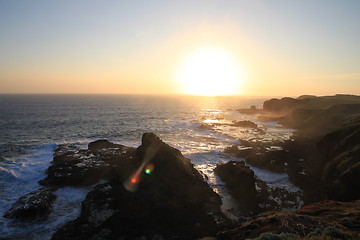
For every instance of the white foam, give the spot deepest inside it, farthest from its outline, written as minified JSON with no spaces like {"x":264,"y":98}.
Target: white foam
{"x":22,"y":175}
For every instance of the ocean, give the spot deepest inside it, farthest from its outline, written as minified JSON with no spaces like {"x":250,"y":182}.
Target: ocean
{"x":32,"y":126}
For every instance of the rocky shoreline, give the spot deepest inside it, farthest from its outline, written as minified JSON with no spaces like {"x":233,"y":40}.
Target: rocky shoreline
{"x":154,"y":192}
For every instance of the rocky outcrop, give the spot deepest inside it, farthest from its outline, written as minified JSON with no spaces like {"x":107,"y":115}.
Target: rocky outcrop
{"x":253,"y":194}
{"x":325,"y":147}
{"x":32,"y":206}
{"x":328,"y":218}
{"x":161,"y":196}
{"x":240,"y":179}
{"x":245,"y":123}
{"x":308,"y":102}
{"x":251,"y":110}
{"x":152,"y":192}
{"x":313,"y":116}
{"x":248,"y":124}
{"x":280,"y":105}
{"x":281,"y":157}
{"x":73,"y":166}
{"x":341,"y":151}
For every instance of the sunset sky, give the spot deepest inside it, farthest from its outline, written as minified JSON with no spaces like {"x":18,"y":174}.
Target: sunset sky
{"x":279,"y":47}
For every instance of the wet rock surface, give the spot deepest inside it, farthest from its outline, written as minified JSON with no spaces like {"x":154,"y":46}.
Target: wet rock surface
{"x":171,"y":202}
{"x":73,"y":166}
{"x":296,"y":158}
{"x":32,"y":206}
{"x":240,"y":180}
{"x":248,"y":124}
{"x":245,"y":123}
{"x":253,"y":194}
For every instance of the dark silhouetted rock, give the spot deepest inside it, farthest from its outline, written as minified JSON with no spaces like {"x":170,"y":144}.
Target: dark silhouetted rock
{"x":101,"y":144}
{"x":341,"y":151}
{"x":251,"y":110}
{"x":253,"y":194}
{"x":240,"y":179}
{"x":267,"y":155}
{"x":299,"y":159}
{"x":79,"y":167}
{"x":313,"y":116}
{"x":172,"y":202}
{"x":32,"y":206}
{"x":280,"y":105}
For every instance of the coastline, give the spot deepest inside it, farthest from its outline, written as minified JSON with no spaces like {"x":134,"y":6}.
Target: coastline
{"x":283,"y":153}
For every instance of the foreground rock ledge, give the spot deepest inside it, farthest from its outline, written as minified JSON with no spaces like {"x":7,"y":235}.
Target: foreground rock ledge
{"x":336,"y":220}
{"x":172,"y":202}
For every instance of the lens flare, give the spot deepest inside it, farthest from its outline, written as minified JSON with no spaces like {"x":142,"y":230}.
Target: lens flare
{"x":149,"y":168}
{"x":131,"y":184}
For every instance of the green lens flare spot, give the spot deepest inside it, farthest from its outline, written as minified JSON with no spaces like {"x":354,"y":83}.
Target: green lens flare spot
{"x":149,"y":168}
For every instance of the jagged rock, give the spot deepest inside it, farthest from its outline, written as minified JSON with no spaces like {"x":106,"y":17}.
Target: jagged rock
{"x":79,"y":167}
{"x":34,"y":205}
{"x":240,"y":179}
{"x":172,"y":201}
{"x":272,"y":156}
{"x":299,"y":159}
{"x":252,"y":193}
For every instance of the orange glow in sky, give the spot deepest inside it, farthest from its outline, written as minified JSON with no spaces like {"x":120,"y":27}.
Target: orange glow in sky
{"x":180,"y":47}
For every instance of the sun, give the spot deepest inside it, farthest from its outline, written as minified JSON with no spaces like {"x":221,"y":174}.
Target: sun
{"x":210,"y":71}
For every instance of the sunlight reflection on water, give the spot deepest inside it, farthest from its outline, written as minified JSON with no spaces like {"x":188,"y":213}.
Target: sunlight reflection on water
{"x":205,"y":146}
{"x":201,"y":128}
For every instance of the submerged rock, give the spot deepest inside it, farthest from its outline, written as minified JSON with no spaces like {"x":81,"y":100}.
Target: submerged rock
{"x":162,"y":196}
{"x":34,"y":205}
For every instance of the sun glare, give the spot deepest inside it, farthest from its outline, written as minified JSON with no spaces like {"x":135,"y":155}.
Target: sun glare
{"x":210,"y":72}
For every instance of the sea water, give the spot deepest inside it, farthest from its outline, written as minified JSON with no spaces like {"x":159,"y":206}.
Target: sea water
{"x":32,"y":126}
